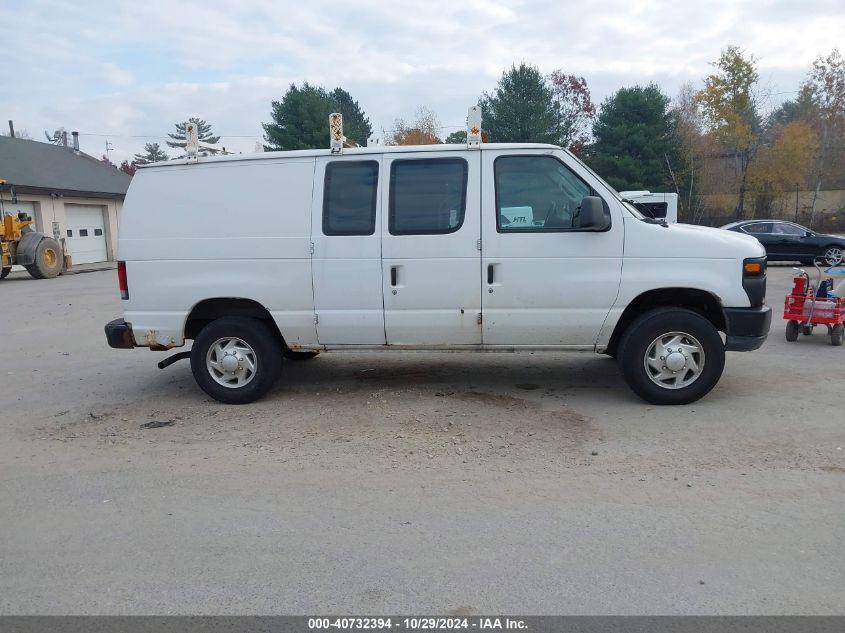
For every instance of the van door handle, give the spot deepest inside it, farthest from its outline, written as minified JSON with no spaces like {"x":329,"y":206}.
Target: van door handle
{"x":490,"y":274}
{"x":393,"y":275}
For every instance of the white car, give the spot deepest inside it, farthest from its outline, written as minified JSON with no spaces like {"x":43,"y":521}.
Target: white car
{"x":443,"y":247}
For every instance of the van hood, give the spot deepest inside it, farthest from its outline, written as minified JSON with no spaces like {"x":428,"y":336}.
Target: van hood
{"x":643,"y":239}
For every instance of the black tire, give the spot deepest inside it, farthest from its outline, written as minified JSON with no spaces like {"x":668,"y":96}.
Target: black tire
{"x":836,"y":335}
{"x":792,"y":331}
{"x":264,"y":345}
{"x":832,"y":254}
{"x":646,"y":330}
{"x":807,"y":330}
{"x":292,"y":355}
{"x":4,"y":272}
{"x":48,"y":260}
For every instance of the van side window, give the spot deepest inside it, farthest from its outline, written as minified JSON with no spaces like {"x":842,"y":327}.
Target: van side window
{"x":537,"y":193}
{"x":349,"y":198}
{"x":427,"y":196}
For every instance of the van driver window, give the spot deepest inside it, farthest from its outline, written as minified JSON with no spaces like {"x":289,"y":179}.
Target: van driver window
{"x":349,"y":198}
{"x":537,"y":193}
{"x":427,"y":196}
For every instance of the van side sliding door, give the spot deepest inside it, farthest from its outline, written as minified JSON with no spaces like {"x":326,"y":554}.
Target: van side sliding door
{"x":431,"y":261}
{"x":346,"y":263}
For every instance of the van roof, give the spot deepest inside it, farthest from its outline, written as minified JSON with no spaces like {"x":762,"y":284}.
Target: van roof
{"x":353,"y":151}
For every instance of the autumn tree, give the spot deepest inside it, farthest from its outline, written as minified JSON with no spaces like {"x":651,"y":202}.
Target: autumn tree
{"x":301,"y":119}
{"x":690,"y":151}
{"x":781,"y":164}
{"x":632,"y":136}
{"x":152,"y":154}
{"x":825,"y":86}
{"x":423,"y":131}
{"x":204,"y":133}
{"x":522,"y":108}
{"x":575,"y":108}
{"x":128,"y":168}
{"x":729,"y":102}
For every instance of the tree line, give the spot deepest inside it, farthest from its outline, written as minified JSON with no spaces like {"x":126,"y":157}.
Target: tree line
{"x":717,"y":146}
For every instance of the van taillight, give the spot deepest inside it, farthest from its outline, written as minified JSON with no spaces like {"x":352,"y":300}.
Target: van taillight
{"x":121,"y":280}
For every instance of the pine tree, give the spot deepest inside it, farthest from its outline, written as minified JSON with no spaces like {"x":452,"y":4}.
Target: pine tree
{"x":356,"y":126}
{"x":203,"y":132}
{"x":633,"y":133}
{"x":301,"y":119}
{"x":457,"y":138}
{"x":522,"y":109}
{"x":152,"y":154}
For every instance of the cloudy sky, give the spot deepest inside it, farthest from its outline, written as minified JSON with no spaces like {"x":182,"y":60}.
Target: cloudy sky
{"x":127,"y":70}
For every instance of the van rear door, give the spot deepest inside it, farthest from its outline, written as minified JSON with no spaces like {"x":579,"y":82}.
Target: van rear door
{"x":430,"y":242}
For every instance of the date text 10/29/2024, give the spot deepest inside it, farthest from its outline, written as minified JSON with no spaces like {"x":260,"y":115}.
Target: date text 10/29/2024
{"x":416,"y":624}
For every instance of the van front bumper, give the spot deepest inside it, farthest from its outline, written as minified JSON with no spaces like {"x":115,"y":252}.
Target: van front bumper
{"x":119,"y":334}
{"x":746,"y":329}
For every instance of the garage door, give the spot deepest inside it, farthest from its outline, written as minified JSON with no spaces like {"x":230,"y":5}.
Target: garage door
{"x":86,"y":233}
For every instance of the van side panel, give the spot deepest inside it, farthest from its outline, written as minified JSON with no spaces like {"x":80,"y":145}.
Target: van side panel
{"x":678,"y":256}
{"x":202,"y":231}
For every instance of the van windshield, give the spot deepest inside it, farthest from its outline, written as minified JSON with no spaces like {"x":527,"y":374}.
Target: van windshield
{"x":625,"y":203}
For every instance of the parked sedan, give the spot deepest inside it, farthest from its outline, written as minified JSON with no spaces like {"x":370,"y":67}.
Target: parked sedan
{"x":787,"y":241}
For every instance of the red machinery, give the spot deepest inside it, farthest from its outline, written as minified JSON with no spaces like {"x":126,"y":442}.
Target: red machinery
{"x":803,"y":310}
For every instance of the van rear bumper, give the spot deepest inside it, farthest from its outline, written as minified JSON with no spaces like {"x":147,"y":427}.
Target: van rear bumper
{"x":119,"y":334}
{"x":746,"y":329}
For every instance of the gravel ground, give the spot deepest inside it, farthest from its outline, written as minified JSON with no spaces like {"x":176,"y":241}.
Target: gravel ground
{"x":409,"y":482}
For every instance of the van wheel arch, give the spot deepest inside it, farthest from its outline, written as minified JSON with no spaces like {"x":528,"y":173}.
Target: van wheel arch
{"x":700,"y":301}
{"x":209,"y":310}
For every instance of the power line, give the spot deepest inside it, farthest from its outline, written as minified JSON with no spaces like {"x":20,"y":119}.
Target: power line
{"x":159,"y":136}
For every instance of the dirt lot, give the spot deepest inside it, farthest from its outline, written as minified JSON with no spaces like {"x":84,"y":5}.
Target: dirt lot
{"x":435,"y":483}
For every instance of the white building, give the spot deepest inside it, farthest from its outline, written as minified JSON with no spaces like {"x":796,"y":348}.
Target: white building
{"x":70,"y":195}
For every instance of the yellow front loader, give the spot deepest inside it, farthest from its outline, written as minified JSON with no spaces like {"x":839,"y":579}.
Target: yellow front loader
{"x":22,"y":245}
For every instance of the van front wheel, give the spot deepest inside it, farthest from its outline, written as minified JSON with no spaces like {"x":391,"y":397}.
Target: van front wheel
{"x":236,"y":360}
{"x":671,"y":356}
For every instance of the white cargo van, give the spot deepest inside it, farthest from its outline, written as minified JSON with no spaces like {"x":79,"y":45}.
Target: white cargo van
{"x":440,"y":247}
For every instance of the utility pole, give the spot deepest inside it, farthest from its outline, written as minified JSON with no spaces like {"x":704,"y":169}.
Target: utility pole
{"x":109,"y":146}
{"x":796,"y":203}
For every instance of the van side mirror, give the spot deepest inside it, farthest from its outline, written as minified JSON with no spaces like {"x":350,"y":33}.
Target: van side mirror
{"x":593,"y":215}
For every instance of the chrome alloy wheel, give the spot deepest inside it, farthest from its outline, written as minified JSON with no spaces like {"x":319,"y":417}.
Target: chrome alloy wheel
{"x":231,"y":362}
{"x":833,"y":256}
{"x":674,"y":360}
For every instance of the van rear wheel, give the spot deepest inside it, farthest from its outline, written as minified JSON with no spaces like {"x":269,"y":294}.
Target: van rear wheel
{"x":671,"y":356}
{"x":236,"y":360}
